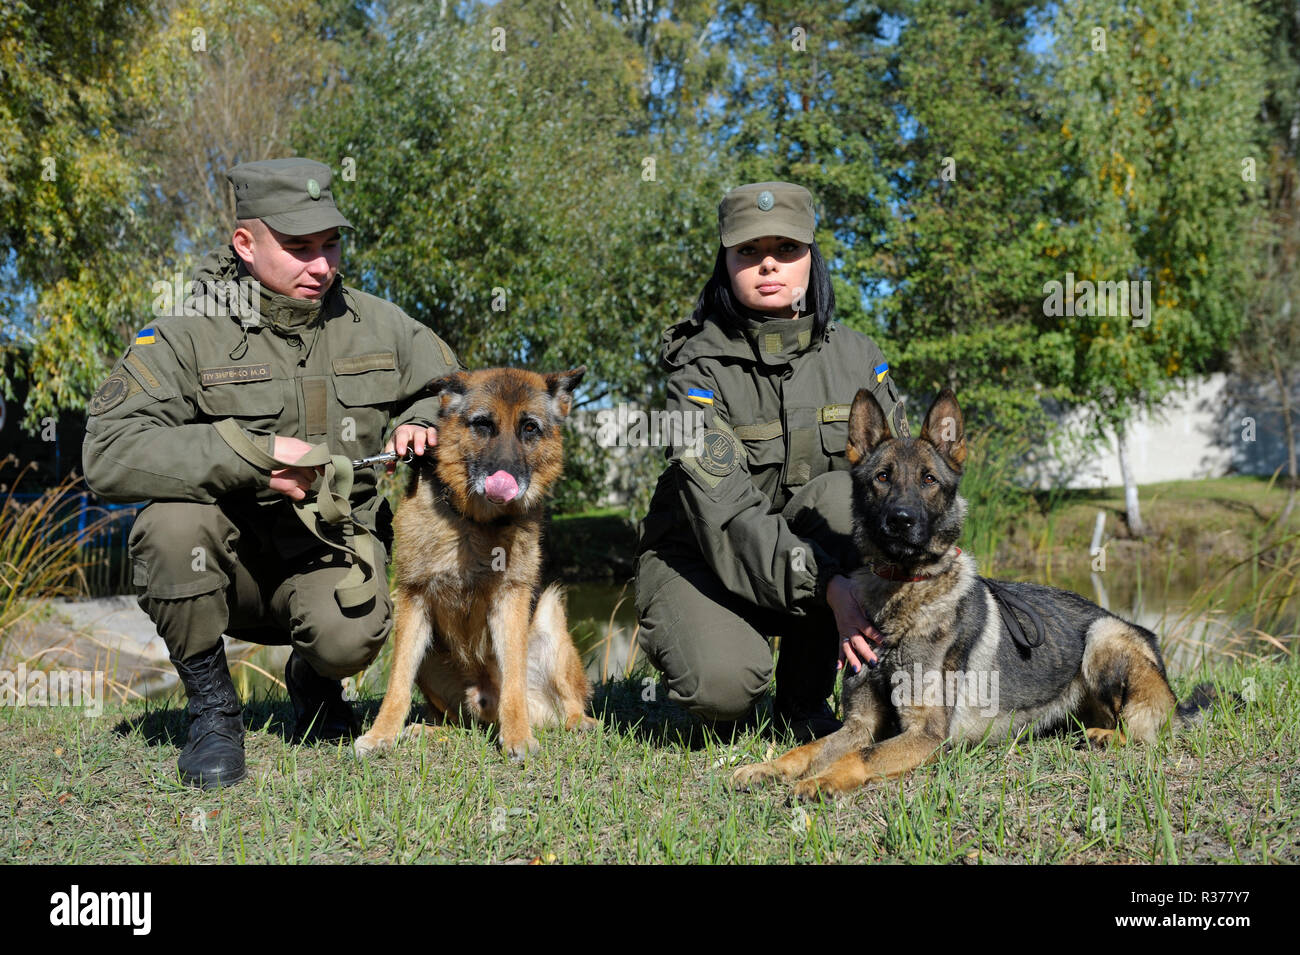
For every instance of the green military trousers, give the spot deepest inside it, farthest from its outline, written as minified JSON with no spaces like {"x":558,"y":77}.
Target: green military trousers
{"x":714,"y":648}
{"x":204,"y":570}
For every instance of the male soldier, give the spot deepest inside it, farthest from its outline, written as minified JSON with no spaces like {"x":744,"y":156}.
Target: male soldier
{"x":206,"y":416}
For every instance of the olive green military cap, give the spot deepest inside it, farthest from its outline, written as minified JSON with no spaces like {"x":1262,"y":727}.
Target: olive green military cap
{"x":290,"y":195}
{"x":766,"y":208}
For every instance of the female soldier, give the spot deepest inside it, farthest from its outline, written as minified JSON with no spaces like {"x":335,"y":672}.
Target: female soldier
{"x":750,"y":531}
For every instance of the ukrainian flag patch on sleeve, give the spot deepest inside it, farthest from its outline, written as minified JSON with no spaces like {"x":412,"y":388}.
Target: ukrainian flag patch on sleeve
{"x":881,"y":371}
{"x":145,"y":337}
{"x":701,"y":395}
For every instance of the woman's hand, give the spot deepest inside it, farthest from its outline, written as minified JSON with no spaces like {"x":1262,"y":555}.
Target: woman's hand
{"x":856,"y":633}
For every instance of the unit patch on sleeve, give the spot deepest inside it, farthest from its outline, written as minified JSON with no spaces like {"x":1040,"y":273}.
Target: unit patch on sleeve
{"x":116,"y":388}
{"x":718,"y":456}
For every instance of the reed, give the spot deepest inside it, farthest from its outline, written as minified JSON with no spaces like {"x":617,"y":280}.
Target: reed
{"x":40,"y":548}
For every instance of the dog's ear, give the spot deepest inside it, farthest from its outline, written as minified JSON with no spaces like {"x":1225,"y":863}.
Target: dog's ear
{"x":451,"y":389}
{"x":561,"y":385}
{"x":944,"y":429}
{"x":867,"y":426}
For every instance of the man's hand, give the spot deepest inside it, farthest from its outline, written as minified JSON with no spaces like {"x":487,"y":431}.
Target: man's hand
{"x":413,"y":436}
{"x":293,"y":483}
{"x":855,"y":630}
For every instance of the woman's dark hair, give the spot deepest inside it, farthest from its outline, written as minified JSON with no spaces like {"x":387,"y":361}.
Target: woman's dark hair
{"x":717,"y":299}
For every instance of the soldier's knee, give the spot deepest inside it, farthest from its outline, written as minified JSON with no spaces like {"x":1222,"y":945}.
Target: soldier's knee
{"x":177,"y":548}
{"x":338,"y":645}
{"x":710,"y":680}
{"x":728,"y":690}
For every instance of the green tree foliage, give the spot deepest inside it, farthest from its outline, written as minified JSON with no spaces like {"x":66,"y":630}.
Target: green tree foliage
{"x":69,"y":181}
{"x":538,"y":181}
{"x":973,"y":184}
{"x":1268,"y":351}
{"x":1159,"y":101}
{"x":116,"y":126}
{"x":510,"y":193}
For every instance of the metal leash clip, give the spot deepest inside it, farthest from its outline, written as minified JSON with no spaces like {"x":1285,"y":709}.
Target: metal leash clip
{"x":377,"y":459}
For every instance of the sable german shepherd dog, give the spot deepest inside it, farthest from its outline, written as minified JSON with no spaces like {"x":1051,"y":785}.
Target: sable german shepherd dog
{"x":473,"y":627}
{"x":958,"y":660}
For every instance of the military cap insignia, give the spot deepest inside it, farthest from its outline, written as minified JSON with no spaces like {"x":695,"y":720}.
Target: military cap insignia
{"x":718,"y":455}
{"x":313,"y":188}
{"x":111,"y":393}
{"x":766,"y":200}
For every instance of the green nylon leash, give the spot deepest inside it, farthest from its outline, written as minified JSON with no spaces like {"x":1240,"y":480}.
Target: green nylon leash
{"x":331,"y":506}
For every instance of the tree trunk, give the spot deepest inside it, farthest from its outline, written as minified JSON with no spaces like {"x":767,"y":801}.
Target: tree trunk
{"x":1132,"y":513}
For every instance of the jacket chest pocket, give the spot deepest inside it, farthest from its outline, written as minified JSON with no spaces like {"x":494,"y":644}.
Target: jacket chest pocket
{"x":243,"y":399}
{"x":816,"y":442}
{"x":366,"y":385}
{"x":834,"y":427}
{"x":366,"y":380}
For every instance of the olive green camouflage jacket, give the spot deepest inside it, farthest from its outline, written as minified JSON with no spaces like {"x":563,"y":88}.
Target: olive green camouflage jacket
{"x":342,"y":379}
{"x":775,"y":407}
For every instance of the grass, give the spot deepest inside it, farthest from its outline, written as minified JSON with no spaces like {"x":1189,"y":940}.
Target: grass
{"x":1215,"y":518}
{"x":648,"y":785}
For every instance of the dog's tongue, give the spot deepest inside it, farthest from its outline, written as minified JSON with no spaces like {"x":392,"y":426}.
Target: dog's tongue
{"x":500,"y":487}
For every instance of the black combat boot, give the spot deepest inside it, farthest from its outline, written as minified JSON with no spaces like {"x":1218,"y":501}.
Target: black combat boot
{"x":320,"y":713}
{"x":214,"y":755}
{"x":806,"y":720}
{"x":805,"y":676}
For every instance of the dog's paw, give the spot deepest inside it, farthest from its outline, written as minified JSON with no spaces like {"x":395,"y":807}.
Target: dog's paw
{"x":580,"y":724}
{"x":518,"y":750}
{"x":1104,"y":739}
{"x":747,"y":777}
{"x":817,"y":789}
{"x":370,"y":744}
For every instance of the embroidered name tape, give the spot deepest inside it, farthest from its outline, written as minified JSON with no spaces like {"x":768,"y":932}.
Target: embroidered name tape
{"x":234,"y":373}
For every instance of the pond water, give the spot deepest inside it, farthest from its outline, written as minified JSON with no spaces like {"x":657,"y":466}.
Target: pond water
{"x":1173,"y":601}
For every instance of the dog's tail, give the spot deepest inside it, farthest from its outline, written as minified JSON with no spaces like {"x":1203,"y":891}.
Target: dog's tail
{"x":556,"y":678}
{"x":1192,"y":710}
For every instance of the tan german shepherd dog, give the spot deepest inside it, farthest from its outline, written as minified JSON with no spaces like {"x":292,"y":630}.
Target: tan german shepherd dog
{"x":958,"y":660}
{"x":474,"y":630}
